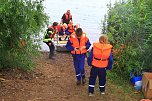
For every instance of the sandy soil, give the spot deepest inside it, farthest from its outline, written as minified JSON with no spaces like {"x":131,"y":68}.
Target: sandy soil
{"x":52,"y":80}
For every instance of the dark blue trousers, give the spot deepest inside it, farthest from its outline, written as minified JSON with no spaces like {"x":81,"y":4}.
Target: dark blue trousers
{"x":52,"y":49}
{"x":79,"y":61}
{"x":101,"y":73}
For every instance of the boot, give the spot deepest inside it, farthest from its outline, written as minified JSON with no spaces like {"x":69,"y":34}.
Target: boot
{"x":78,"y":82}
{"x":91,"y":94}
{"x":83,"y":81}
{"x":51,"y":56}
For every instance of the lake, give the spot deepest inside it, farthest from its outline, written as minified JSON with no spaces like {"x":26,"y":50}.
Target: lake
{"x":87,"y":13}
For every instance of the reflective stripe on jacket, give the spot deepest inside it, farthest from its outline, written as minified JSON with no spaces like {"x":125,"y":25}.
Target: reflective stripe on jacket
{"x":46,"y":37}
{"x":101,"y":53}
{"x":75,"y":43}
{"x":54,"y":30}
{"x":49,"y":34}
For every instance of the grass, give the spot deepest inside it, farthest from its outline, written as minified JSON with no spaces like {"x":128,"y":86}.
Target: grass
{"x":122,"y":88}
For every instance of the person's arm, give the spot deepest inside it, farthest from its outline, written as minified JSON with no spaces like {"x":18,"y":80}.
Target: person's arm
{"x":71,"y":18}
{"x":69,"y":46}
{"x":63,"y":17}
{"x":89,"y":59}
{"x":110,"y":62}
{"x":61,"y":22}
{"x":88,"y":44}
{"x":52,"y":35}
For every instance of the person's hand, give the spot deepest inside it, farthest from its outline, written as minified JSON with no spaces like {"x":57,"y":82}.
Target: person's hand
{"x":50,"y":44}
{"x":64,"y":35}
{"x":76,"y":49}
{"x":83,"y":47}
{"x":61,"y":22}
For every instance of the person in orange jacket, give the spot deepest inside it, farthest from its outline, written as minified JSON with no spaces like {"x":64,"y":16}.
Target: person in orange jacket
{"x":100,"y":58}
{"x":71,"y":28}
{"x":78,"y":44}
{"x":66,"y":18}
{"x":62,"y":30}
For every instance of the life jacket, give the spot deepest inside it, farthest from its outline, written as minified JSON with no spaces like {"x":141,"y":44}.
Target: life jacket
{"x":58,"y":27}
{"x":68,"y":17}
{"x":71,"y":28}
{"x":63,"y":28}
{"x":75,"y":43}
{"x":101,"y":53}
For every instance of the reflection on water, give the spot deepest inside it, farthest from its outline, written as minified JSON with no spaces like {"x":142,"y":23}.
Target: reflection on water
{"x":87,"y":13}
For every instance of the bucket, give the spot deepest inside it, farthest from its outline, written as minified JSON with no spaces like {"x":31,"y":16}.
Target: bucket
{"x":135,"y":79}
{"x":138,"y":85}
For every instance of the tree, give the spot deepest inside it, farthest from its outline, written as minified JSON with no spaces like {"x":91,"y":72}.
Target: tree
{"x":21,"y":22}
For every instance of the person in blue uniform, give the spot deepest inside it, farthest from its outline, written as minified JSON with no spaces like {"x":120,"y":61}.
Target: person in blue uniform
{"x":100,"y":58}
{"x":78,"y":44}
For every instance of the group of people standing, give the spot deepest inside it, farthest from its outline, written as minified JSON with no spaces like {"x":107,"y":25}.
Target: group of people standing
{"x":100,"y":56}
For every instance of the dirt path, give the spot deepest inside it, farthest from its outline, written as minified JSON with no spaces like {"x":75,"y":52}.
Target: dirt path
{"x":52,"y":80}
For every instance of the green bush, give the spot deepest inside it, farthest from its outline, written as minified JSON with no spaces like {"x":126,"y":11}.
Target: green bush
{"x":21,"y":22}
{"x":130,"y":31}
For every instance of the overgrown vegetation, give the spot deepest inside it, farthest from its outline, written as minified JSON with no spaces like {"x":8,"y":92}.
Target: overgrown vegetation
{"x":21,"y":22}
{"x":117,"y":84}
{"x":129,"y":27}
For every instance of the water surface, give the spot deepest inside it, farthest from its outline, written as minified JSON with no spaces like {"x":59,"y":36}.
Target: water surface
{"x":87,"y":13}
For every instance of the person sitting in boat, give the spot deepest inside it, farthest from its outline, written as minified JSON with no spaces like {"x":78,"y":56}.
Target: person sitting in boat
{"x":66,"y":17}
{"x":71,"y":28}
{"x":48,"y":36}
{"x":63,"y":30}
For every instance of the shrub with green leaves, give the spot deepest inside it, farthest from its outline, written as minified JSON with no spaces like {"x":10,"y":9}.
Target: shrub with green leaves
{"x":21,"y":22}
{"x":130,"y":26}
